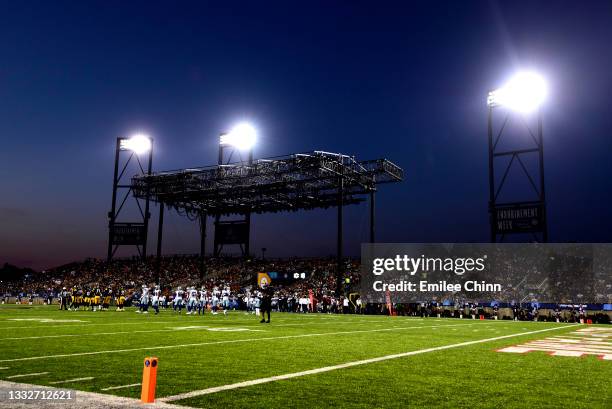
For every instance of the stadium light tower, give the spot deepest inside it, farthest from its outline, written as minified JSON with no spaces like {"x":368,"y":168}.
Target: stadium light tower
{"x":129,"y":233}
{"x":238,"y":141}
{"x":522,"y":95}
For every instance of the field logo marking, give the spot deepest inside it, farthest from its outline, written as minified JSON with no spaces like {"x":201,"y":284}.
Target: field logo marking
{"x":259,"y":381}
{"x":585,"y":341}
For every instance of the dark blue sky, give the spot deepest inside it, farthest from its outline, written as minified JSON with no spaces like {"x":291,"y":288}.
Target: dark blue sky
{"x":402,"y":80}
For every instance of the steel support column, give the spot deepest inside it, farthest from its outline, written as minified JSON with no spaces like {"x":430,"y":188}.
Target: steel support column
{"x":202,"y":244}
{"x":160,"y":233}
{"x":112,"y":216}
{"x":340,"y":241}
{"x":491,"y":178}
{"x":542,"y":189}
{"x":372,"y":215}
{"x":147,"y":214}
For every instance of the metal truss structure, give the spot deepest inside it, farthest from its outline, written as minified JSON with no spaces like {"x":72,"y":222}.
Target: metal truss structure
{"x":297,"y":182}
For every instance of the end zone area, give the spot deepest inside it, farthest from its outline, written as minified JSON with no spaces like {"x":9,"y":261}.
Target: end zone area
{"x":299,"y":360}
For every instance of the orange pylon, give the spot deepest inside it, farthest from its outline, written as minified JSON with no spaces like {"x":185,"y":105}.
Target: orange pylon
{"x":149,"y":380}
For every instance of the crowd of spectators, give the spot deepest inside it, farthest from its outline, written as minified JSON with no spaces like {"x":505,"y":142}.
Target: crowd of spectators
{"x":298,"y":277}
{"x":300,"y":284}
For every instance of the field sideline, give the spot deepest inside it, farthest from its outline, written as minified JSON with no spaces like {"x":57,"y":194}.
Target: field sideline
{"x":299,"y":360}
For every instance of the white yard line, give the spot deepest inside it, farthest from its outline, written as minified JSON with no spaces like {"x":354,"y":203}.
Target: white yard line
{"x":180,"y":322}
{"x":90,"y":334}
{"x":89,"y":324}
{"x":208,"y":323}
{"x":23,"y":375}
{"x":112,"y":388}
{"x":89,"y":378}
{"x":4,"y":367}
{"x":232,"y":341}
{"x":244,"y":384}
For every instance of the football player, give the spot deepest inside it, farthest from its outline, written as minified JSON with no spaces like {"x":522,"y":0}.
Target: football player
{"x":120,"y":300}
{"x":144,"y":301}
{"x":177,"y":302}
{"x":225,"y":297}
{"x":203,"y":299}
{"x":215,"y":300}
{"x":87,"y":299}
{"x":156,"y":298}
{"x":97,"y":299}
{"x":106,"y":300}
{"x":192,"y":301}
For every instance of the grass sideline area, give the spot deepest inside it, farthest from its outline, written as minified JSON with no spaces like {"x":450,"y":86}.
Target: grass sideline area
{"x":443,"y":362}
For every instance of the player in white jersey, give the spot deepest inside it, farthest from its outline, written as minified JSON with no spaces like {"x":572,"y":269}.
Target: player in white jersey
{"x":247,"y":301}
{"x":144,"y":301}
{"x":225,"y":297}
{"x":215,"y":300}
{"x":192,"y":301}
{"x":257,"y":303}
{"x":156,"y":299}
{"x":178,"y":300}
{"x":202,"y":303}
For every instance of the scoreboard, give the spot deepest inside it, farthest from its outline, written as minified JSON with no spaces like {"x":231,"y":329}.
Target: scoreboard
{"x":287,"y":277}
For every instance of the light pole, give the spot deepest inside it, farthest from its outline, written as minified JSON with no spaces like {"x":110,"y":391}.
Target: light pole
{"x":238,"y":141}
{"x":129,"y":233}
{"x":522,"y":96}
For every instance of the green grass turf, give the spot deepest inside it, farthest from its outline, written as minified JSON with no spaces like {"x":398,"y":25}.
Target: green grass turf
{"x":474,"y":376}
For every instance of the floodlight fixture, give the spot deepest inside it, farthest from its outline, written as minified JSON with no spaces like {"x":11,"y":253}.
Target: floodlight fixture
{"x":138,"y":143}
{"x":242,"y":136}
{"x":525,"y":92}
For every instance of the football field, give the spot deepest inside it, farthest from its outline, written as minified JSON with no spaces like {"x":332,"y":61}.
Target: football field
{"x":309,"y":360}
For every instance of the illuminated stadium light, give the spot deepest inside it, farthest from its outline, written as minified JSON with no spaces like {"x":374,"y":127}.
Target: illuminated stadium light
{"x":525,"y":92}
{"x":243,"y":136}
{"x":138,"y":144}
